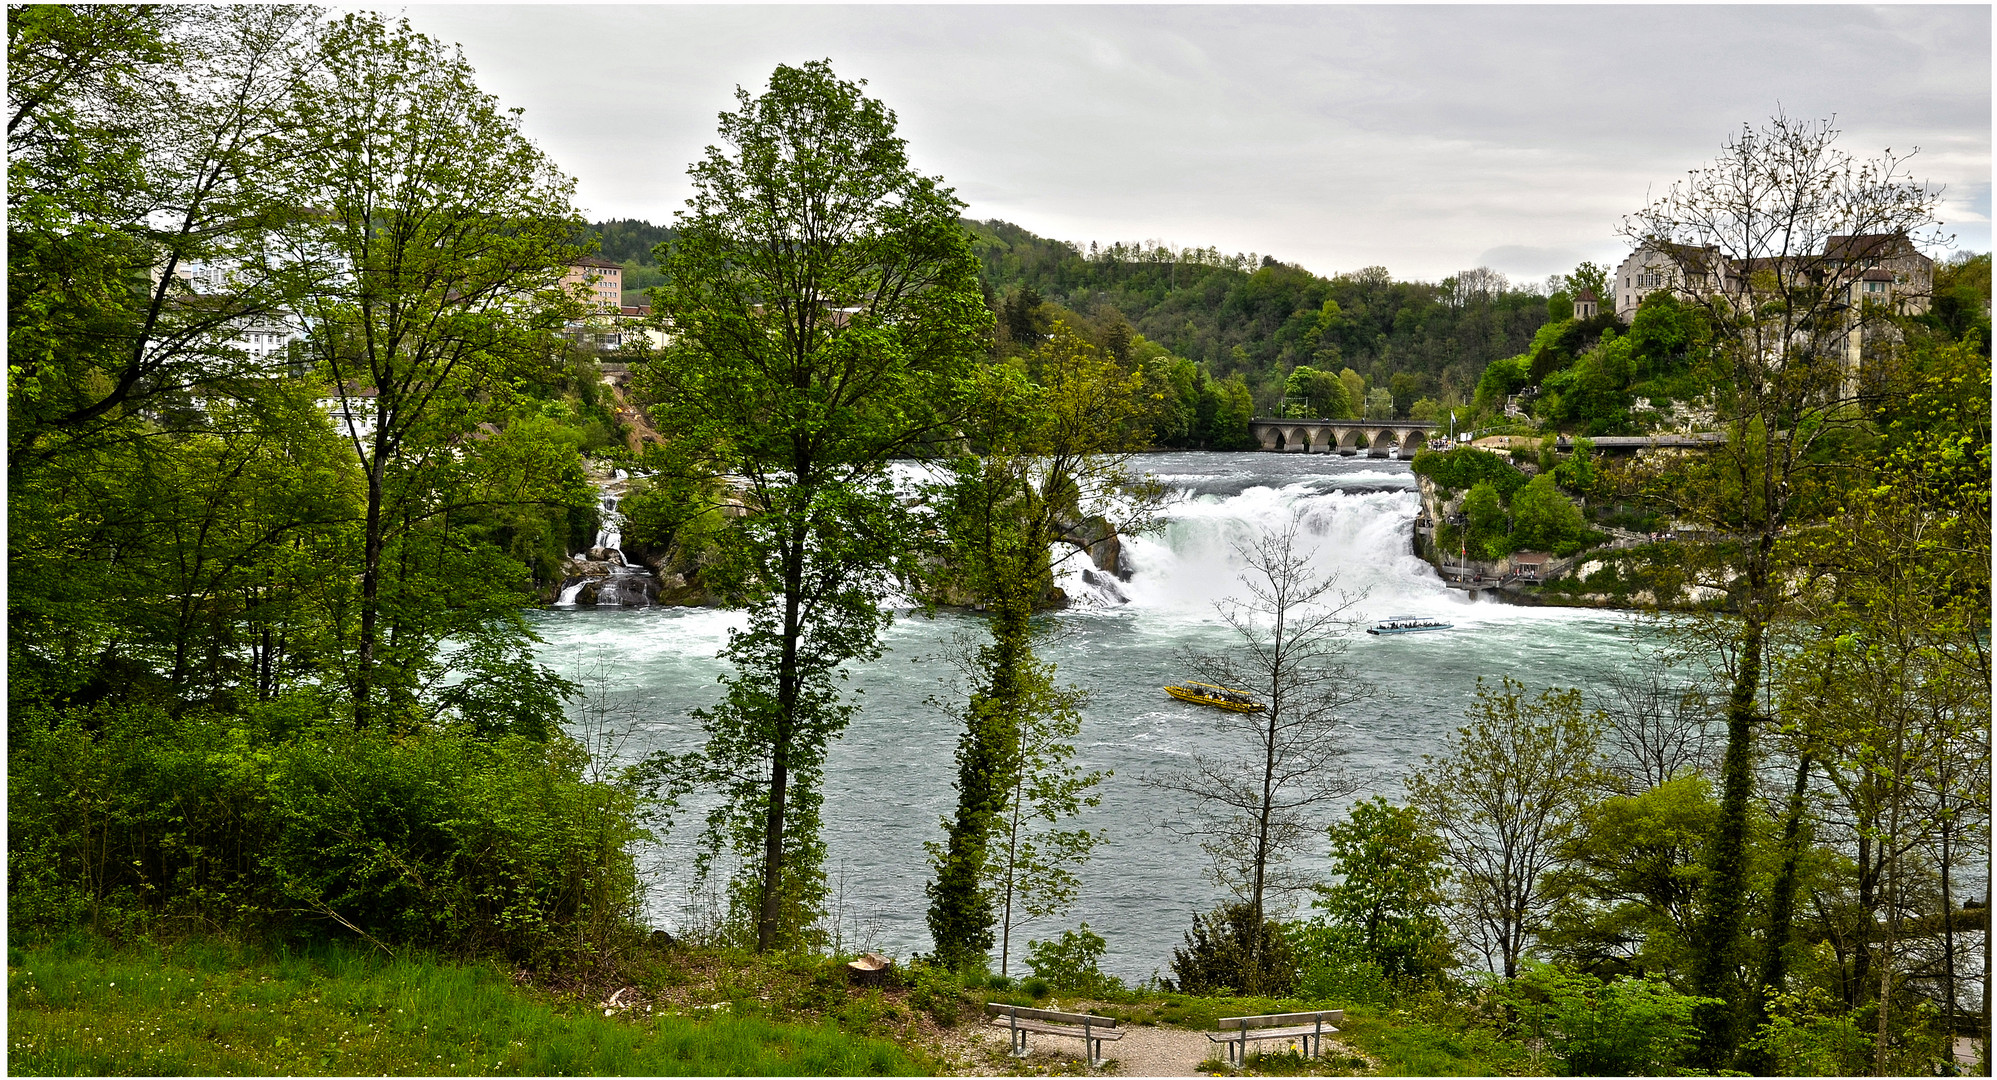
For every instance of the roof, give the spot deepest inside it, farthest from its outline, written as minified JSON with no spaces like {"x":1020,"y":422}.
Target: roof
{"x":1876,"y":274}
{"x":1868,"y":246}
{"x":1531,"y":558}
{"x":597,"y":261}
{"x":1586,"y":293}
{"x":635,"y":309}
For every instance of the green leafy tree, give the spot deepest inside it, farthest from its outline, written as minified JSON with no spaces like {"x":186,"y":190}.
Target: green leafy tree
{"x":826,"y":308}
{"x":1321,"y":392}
{"x":1545,"y":520}
{"x":1058,"y":431}
{"x":443,"y":232}
{"x":1355,"y":390}
{"x":1391,"y":872}
{"x":1505,"y":795}
{"x":1484,"y":523}
{"x":1593,"y":278}
{"x":1379,"y":404}
{"x":1627,"y":878}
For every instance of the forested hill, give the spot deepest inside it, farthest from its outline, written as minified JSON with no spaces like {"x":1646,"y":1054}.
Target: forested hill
{"x":1260,"y":317}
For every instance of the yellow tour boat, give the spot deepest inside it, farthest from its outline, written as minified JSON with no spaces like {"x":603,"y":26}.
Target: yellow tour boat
{"x":1220,"y":697}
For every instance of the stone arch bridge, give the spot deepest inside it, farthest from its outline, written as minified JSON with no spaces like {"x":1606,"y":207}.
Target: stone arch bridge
{"x":1343,"y":436}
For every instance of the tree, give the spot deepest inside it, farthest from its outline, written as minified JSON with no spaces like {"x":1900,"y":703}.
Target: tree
{"x":1321,"y":392}
{"x":1379,"y":404}
{"x":1506,"y":794}
{"x":439,"y":234}
{"x":1545,"y":520}
{"x":1355,"y":391}
{"x":826,"y":307}
{"x":1771,"y":239}
{"x":1058,"y":430}
{"x":1391,"y":874}
{"x":1484,"y":522}
{"x":146,"y":174}
{"x":1594,"y":278}
{"x":1252,"y":814}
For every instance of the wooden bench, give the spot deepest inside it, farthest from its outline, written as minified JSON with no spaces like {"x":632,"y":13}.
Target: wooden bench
{"x":1092,"y":1030}
{"x":1307,"y":1027}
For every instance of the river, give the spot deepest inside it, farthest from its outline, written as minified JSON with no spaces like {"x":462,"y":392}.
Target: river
{"x":890,"y":778}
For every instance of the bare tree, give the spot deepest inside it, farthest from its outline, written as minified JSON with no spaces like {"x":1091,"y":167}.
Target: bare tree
{"x":1655,"y":725}
{"x":1254,"y":812}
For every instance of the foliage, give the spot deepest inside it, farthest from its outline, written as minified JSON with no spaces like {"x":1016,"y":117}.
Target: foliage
{"x":825,"y":307}
{"x":1391,"y":874}
{"x":1629,"y":872}
{"x":1260,"y":318}
{"x":438,"y":218}
{"x":1321,"y":392}
{"x":1057,"y":432}
{"x":1462,"y":467}
{"x":1545,"y":520}
{"x":1484,"y":534}
{"x":1504,"y":796}
{"x":1069,"y":962}
{"x":1627,"y":1027}
{"x":1782,"y":329}
{"x":1231,"y":949}
{"x":128,"y":818}
{"x":1808,"y":1033}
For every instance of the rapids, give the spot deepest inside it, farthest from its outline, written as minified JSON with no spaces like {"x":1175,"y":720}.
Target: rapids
{"x":891,"y":778}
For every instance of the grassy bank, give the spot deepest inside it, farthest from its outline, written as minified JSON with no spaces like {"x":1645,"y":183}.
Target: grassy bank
{"x":84,"y":1006}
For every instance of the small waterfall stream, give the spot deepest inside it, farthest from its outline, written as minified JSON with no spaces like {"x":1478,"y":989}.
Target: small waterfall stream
{"x":604,"y":576}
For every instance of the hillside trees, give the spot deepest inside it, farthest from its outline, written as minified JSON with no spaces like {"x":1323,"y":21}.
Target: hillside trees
{"x":826,"y":307}
{"x":1757,"y":227}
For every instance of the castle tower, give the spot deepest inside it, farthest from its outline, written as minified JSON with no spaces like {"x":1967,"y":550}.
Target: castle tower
{"x":1584,"y":303}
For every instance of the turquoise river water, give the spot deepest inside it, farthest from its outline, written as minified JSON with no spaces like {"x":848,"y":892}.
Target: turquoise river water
{"x":890,"y":778}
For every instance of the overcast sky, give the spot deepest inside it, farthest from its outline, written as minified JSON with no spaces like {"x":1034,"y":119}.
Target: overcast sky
{"x":1426,"y":139}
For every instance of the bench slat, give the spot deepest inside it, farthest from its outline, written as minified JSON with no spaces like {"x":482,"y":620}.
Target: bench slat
{"x":1258,"y":1034}
{"x":1235,"y":1023}
{"x":1039,"y":1028}
{"x":1049,"y":1015}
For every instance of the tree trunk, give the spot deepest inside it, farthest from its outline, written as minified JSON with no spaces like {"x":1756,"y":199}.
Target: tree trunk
{"x":372,"y":547}
{"x":1723,"y":895}
{"x":769,"y":919}
{"x":1781,"y":908}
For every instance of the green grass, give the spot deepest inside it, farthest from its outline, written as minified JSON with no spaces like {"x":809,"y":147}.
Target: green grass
{"x":82,"y":1006}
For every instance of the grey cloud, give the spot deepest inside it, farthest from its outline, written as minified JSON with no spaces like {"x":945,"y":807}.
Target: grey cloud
{"x":1415,"y":137}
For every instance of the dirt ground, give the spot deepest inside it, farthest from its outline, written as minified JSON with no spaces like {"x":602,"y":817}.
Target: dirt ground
{"x":973,"y":1050}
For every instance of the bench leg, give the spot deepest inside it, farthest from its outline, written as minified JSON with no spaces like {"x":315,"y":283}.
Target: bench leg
{"x":1018,"y":1043}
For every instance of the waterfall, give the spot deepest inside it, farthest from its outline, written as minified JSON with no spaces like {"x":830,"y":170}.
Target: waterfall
{"x":1360,"y":534}
{"x":611,"y":533}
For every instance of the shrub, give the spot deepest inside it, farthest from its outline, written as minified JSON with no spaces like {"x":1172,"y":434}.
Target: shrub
{"x":1070,"y":962}
{"x":1464,"y":466}
{"x":1629,"y":1027}
{"x":438,"y":838}
{"x":1228,"y":949}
